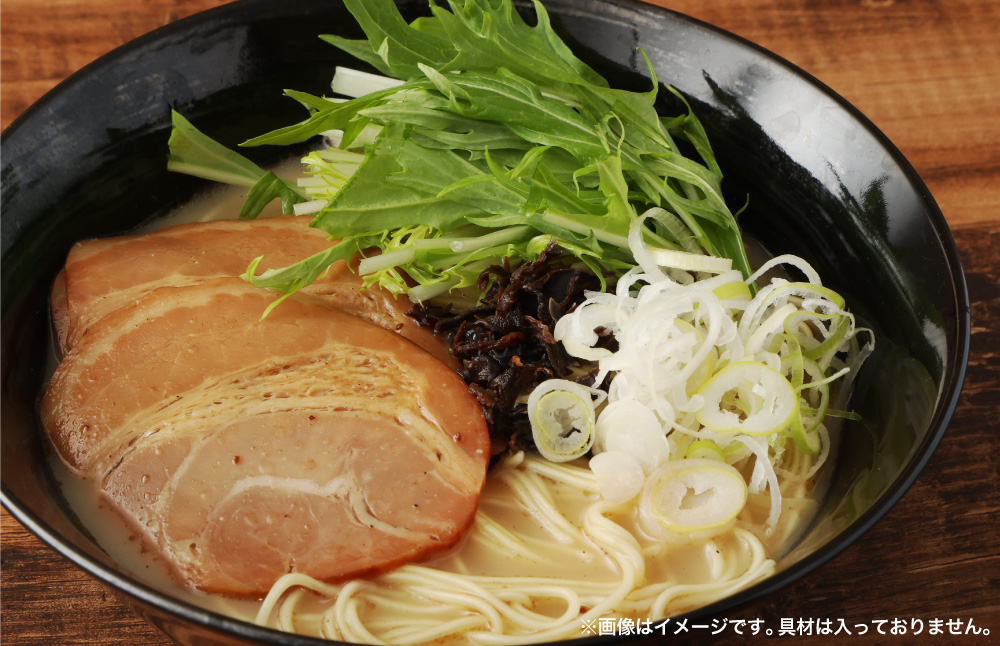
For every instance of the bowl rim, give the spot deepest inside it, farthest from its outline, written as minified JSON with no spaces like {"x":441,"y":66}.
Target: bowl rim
{"x":953,"y":375}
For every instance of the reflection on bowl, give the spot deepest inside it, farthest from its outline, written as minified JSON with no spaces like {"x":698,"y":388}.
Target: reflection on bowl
{"x":88,"y":160}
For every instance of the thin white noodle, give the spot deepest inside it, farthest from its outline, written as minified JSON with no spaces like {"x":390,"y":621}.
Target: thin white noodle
{"x":492,"y":534}
{"x":699,"y":594}
{"x":418,"y":604}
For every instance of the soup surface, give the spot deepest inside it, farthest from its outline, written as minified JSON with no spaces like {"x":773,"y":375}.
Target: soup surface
{"x":545,"y":553}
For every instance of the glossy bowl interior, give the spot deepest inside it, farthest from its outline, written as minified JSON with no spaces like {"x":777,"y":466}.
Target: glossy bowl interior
{"x":89,"y":160}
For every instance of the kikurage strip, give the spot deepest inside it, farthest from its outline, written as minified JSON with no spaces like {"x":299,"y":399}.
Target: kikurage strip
{"x":505,"y":344}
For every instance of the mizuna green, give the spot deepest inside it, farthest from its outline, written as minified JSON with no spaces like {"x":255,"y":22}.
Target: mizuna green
{"x":482,"y":138}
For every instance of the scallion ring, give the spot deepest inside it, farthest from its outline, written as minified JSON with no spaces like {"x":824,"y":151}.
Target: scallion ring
{"x":562,"y":417}
{"x":747,"y":397}
{"x":691,"y":496}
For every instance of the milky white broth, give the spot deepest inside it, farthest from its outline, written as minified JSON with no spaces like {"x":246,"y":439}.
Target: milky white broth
{"x":685,"y":564}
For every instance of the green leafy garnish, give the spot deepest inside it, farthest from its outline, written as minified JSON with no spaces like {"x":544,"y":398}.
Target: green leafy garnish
{"x":489,"y":138}
{"x":194,"y":153}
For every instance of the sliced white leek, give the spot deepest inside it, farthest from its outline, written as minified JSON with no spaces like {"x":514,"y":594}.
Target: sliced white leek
{"x":619,"y":476}
{"x":725,"y":377}
{"x":704,"y":450}
{"x":807,"y":439}
{"x":561,"y":413}
{"x":811,"y":275}
{"x":687,"y":261}
{"x":629,"y":427}
{"x":813,"y":398}
{"x":747,"y":397}
{"x":691,"y":496}
{"x":578,"y":333}
{"x":779,"y":293}
{"x":735,"y":290}
{"x":704,"y":369}
{"x":774,"y":324}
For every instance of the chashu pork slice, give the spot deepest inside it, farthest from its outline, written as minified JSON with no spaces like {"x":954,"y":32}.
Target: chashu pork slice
{"x":312,"y":441}
{"x":104,"y":274}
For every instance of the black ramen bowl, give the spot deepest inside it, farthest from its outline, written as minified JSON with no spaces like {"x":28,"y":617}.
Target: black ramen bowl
{"x":89,"y":160}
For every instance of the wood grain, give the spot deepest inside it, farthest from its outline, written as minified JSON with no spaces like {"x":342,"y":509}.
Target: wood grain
{"x":927,"y":73}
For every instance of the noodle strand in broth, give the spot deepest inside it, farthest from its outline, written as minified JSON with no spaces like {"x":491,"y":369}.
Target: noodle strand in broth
{"x":627,"y":575}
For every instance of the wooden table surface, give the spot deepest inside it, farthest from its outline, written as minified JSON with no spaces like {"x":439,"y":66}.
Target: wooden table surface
{"x":927,"y":73}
